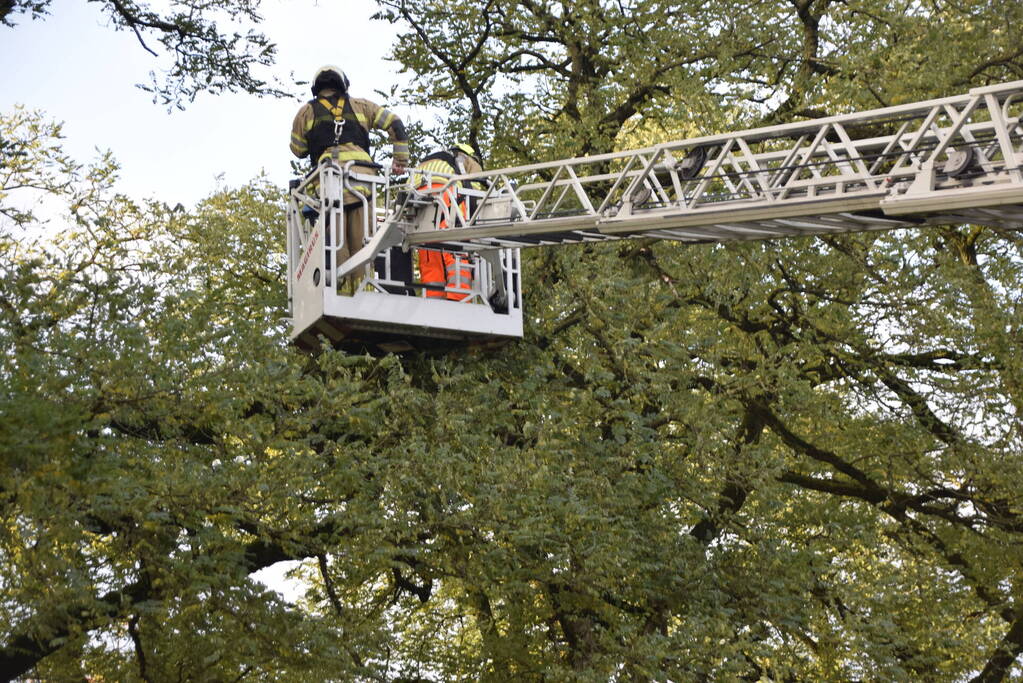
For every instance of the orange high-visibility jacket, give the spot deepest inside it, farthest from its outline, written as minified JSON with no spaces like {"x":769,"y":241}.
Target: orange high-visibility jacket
{"x":442,"y":268}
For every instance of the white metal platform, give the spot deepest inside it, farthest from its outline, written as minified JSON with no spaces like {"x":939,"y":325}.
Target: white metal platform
{"x":367,"y":315}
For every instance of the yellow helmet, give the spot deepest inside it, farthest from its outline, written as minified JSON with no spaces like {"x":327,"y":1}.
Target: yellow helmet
{"x":469,"y":150}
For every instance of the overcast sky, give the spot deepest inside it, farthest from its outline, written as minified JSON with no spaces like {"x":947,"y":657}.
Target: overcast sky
{"x":75,"y":68}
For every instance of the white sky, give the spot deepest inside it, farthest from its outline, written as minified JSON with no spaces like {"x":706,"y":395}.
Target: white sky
{"x":75,"y":68}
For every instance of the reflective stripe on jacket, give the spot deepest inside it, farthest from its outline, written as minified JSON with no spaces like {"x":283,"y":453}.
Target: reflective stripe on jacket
{"x":367,"y":114}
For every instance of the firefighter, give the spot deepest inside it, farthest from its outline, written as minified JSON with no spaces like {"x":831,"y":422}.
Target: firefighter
{"x":334,"y":125}
{"x":442,"y":268}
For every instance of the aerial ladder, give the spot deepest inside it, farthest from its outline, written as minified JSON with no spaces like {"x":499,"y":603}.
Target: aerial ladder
{"x":944,"y":161}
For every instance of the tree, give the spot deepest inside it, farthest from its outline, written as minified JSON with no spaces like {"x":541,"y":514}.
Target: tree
{"x":205,"y":57}
{"x":803,"y":382}
{"x":544,"y":79}
{"x":129,"y":342}
{"x":781,"y":461}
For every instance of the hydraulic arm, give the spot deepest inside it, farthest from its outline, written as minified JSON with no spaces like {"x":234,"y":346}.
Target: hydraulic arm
{"x":950,"y":160}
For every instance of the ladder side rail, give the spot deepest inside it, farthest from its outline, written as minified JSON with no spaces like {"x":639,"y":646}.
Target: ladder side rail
{"x":457,"y":217}
{"x":768,"y":132}
{"x":925,"y":177}
{"x":972,"y":141}
{"x":739,"y":179}
{"x":857,"y":153}
{"x":853,"y":161}
{"x":630,"y":161}
{"x":332,"y":216}
{"x":856,"y":171}
{"x":752,"y":134}
{"x":744,"y":178}
{"x":481,"y":203}
{"x":1012,"y":158}
{"x":832,"y":163}
{"x":814,"y":150}
{"x":508,"y":188}
{"x":913,"y":148}
{"x":589,"y":178}
{"x":568,"y":177}
{"x":945,"y":136}
{"x":553,"y":209}
{"x":547,"y":191}
{"x":887,"y":143}
{"x":661,"y":184}
{"x":677,"y":184}
{"x":656,"y":187}
{"x":550,"y":200}
{"x":715,"y":169}
{"x":849,"y":166}
{"x":650,"y":184}
{"x":292,"y":241}
{"x":475,"y":199}
{"x":755,"y":169}
{"x":638,"y":180}
{"x":894,"y":142}
{"x":661,"y":164}
{"x":735,"y":179}
{"x":896,"y":112}
{"x":636,"y":175}
{"x":782,"y":174}
{"x":577,"y":185}
{"x":581,"y":195}
{"x":983,"y":151}
{"x":811,"y":159}
{"x":580,"y":182}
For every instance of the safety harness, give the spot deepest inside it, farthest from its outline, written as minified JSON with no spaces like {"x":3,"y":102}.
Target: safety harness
{"x":334,"y":123}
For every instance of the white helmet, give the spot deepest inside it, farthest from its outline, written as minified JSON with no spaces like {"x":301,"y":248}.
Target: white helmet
{"x":330,"y":76}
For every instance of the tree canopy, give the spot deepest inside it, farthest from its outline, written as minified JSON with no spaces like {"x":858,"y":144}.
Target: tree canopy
{"x":789,"y":460}
{"x":204,"y":56}
{"x":542,"y":79}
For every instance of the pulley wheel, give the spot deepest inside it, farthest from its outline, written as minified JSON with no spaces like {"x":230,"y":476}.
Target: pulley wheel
{"x":958,"y":162}
{"x":692,"y":164}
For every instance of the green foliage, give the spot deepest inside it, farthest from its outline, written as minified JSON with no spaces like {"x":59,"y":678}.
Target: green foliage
{"x":35,"y":8}
{"x":797,"y":430}
{"x":203,"y":56}
{"x":140,"y":348}
{"x":534,"y":80}
{"x":32,"y":165}
{"x":796,"y":460}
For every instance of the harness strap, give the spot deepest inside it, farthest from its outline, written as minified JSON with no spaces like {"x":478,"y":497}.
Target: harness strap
{"x":338,"y":112}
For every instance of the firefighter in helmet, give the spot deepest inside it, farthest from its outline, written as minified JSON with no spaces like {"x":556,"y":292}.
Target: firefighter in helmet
{"x":334,"y":125}
{"x":442,"y":268}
